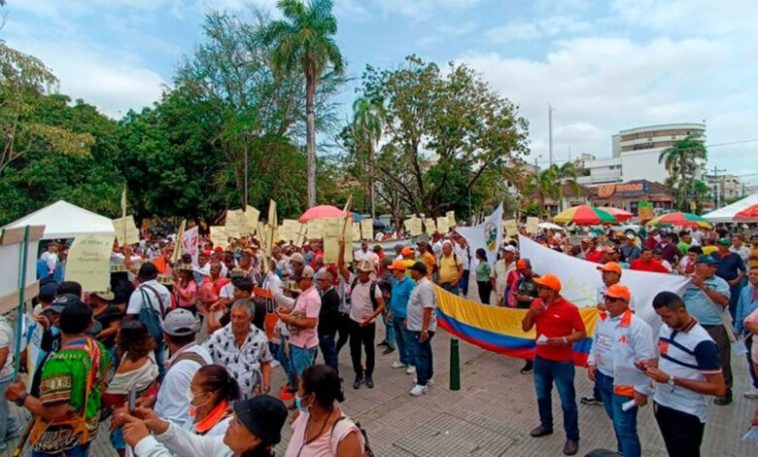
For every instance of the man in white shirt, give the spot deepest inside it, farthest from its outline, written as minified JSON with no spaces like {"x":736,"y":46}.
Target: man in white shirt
{"x":8,"y":424}
{"x":621,"y":339}
{"x":369,"y":256}
{"x":500,"y":272}
{"x":421,"y":322}
{"x":367,"y":303}
{"x":50,"y":256}
{"x":151,"y":293}
{"x":173,"y":400}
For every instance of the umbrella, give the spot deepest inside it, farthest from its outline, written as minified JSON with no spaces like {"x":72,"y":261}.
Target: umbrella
{"x":681,"y":219}
{"x":620,"y":214}
{"x":584,"y":215}
{"x":320,"y":212}
{"x":751,"y":212}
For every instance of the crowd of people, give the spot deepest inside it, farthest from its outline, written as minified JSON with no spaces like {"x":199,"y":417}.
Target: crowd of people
{"x":179,"y":350}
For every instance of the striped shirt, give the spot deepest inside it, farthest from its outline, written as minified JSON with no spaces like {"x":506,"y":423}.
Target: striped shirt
{"x":686,"y":354}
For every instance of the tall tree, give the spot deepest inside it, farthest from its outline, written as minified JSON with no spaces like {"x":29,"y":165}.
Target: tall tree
{"x":682,"y":161}
{"x":23,"y":80}
{"x":304,"y":39}
{"x":367,"y":128}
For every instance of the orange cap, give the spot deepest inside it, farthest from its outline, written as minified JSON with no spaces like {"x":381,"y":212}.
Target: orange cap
{"x":406,"y":251}
{"x":618,"y":291}
{"x":521,"y":264}
{"x":610,"y":266}
{"x":397,"y":265}
{"x":550,"y":281}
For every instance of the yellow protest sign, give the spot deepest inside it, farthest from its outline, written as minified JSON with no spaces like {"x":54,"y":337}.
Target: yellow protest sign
{"x":413,"y":225}
{"x":442,"y":225}
{"x":126,"y":231}
{"x":251,"y":219}
{"x":532,"y":224}
{"x":235,"y":223}
{"x":451,"y":219}
{"x":331,"y":234}
{"x":511,"y":227}
{"x":315,"y":228}
{"x":89,"y":262}
{"x":367,"y":229}
{"x":356,"y":232}
{"x":218,"y":236}
{"x":272,"y":220}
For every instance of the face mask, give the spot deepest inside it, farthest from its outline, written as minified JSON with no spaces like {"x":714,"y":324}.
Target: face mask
{"x":299,"y":404}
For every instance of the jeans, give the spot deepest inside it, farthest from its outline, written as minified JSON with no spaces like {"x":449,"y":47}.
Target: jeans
{"x":624,"y":422}
{"x":485,"y":290}
{"x":453,"y":289}
{"x":301,"y":358}
{"x":464,"y":282}
{"x":328,"y":346}
{"x":562,"y":373}
{"x":751,"y":367}
{"x":682,"y":432}
{"x":160,"y":357}
{"x":404,"y":340}
{"x":81,"y":450}
{"x":389,"y":336}
{"x":283,"y":358}
{"x":718,"y":333}
{"x":8,"y":423}
{"x":422,"y":356}
{"x":362,"y":336}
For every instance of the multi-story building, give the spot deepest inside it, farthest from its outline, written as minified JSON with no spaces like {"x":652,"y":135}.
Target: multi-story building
{"x":724,"y":187}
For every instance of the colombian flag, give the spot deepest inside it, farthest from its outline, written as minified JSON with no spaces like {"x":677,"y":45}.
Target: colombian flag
{"x":498,"y":329}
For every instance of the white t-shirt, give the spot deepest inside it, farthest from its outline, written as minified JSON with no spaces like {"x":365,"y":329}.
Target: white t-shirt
{"x":462,"y":253}
{"x":50,"y":258}
{"x":6,"y":341}
{"x":135,"y":300}
{"x":422,"y":297}
{"x":172,"y":401}
{"x":369,"y":256}
{"x":360,"y":297}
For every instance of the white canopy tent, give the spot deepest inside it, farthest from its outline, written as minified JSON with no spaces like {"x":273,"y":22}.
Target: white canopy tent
{"x":64,"y":220}
{"x":726,"y":214}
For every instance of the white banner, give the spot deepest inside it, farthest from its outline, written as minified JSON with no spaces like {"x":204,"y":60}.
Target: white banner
{"x":487,"y":235}
{"x":190,"y":242}
{"x":581,"y":279}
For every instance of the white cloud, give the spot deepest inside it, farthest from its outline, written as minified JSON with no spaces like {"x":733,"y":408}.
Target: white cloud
{"x":690,"y":16}
{"x":544,"y":28}
{"x":423,"y":9}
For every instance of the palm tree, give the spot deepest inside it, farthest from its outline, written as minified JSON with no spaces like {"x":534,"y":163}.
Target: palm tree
{"x":367,"y":125}
{"x":304,"y":40}
{"x":566,"y":174}
{"x":680,"y":160}
{"x":547,"y":185}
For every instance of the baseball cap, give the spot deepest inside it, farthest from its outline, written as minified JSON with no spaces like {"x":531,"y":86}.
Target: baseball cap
{"x":406,"y":251}
{"x":365,"y":266}
{"x":618,"y":291}
{"x":550,"y":281}
{"x":725,"y":242}
{"x":509,"y":248}
{"x":47,"y":292}
{"x":630,"y":236}
{"x":397,"y":265}
{"x":180,"y":322}
{"x":610,"y":266}
{"x":307,"y":273}
{"x":61,"y":302}
{"x":521,"y":264}
{"x":262,"y":415}
{"x":706,"y":259}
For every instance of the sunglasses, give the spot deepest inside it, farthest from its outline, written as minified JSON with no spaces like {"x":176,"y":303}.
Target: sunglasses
{"x":607,"y":298}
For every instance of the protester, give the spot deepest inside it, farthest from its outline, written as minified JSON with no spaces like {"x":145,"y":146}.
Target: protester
{"x":629,"y":250}
{"x":746,"y":306}
{"x":320,"y":428}
{"x":402,"y":286}
{"x":50,"y":258}
{"x":242,"y":348}
{"x":450,"y":269}
{"x":9,"y":427}
{"x":185,"y":288}
{"x":363,"y":254}
{"x":462,"y":250}
{"x":730,"y":268}
{"x":647,"y":262}
{"x":328,"y":319}
{"x":108,"y":315}
{"x":425,"y":255}
{"x":421,"y":321}
{"x":738,"y":247}
{"x":212,"y":390}
{"x":172,"y":400}
{"x":753,"y":258}
{"x":621,"y":339}
{"x":707,"y":299}
{"x":67,"y":411}
{"x":686,"y":265}
{"x":136,"y":370}
{"x":501,"y":272}
{"x":525,"y":293}
{"x":559,"y":325}
{"x":252,"y":432}
{"x":688,"y":370}
{"x":483,"y":272}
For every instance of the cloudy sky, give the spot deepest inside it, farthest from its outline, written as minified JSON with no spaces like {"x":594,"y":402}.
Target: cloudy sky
{"x":603,"y":65}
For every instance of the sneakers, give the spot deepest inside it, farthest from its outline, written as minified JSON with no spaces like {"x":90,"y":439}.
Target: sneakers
{"x":418,"y":390}
{"x":369,"y":382}
{"x":397,"y":364}
{"x":591,"y":401}
{"x":752,"y":393}
{"x":388,"y":350}
{"x":358,"y":382}
{"x":429,"y":382}
{"x":411,"y":370}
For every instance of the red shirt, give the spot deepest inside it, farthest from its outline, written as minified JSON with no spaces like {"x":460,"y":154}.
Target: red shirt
{"x":593,"y":256}
{"x":654,"y":266}
{"x":559,"y":319}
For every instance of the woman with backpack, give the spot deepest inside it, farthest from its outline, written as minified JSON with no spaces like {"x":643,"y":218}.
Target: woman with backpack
{"x":320,"y":428}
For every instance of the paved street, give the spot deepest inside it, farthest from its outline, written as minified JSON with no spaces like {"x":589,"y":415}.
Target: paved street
{"x":493,"y":412}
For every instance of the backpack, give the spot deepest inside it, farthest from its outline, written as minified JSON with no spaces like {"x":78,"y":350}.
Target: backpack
{"x":367,"y":452}
{"x":372,"y":292}
{"x":149,"y":316}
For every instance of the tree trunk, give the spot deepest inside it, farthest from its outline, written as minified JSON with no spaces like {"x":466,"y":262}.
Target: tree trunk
{"x":371,"y":197}
{"x":310,"y":148}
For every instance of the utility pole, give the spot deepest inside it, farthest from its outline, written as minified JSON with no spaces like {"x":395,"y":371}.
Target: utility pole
{"x":550,"y":131}
{"x":718,"y":184}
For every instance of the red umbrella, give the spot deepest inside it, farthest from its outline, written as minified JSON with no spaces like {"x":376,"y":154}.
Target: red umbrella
{"x":321,"y":212}
{"x":751,"y":212}
{"x":620,"y":214}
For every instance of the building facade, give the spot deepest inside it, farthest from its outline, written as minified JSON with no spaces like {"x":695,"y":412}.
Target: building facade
{"x":627,"y":195}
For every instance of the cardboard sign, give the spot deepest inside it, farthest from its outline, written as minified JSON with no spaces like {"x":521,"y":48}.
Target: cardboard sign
{"x":332,"y":232}
{"x":126,"y":230}
{"x":235,"y":223}
{"x":511,"y":227}
{"x":532,"y":225}
{"x":356,"y":232}
{"x":218,"y":236}
{"x":272,"y":220}
{"x":252,"y":215}
{"x":443,"y":225}
{"x":315,"y":229}
{"x":89,"y":262}
{"x":367,"y":229}
{"x":451,"y":219}
{"x":414,"y":226}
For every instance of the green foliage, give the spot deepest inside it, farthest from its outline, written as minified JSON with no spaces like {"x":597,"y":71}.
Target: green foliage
{"x":682,"y":162}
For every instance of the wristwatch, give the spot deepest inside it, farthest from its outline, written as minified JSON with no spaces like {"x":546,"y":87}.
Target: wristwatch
{"x":671,"y":381}
{"x":21,"y":399}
